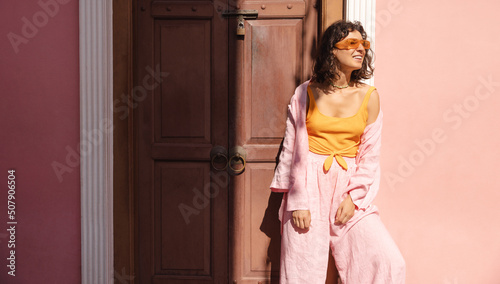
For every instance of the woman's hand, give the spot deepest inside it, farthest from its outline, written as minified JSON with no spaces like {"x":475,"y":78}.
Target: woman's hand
{"x":345,"y":211}
{"x":302,"y":218}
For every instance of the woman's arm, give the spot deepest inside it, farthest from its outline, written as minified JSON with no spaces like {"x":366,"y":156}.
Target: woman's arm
{"x":373,"y":107}
{"x":289,"y":175}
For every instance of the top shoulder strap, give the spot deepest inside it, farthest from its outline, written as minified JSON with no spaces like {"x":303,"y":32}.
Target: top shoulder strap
{"x":367,"y":96}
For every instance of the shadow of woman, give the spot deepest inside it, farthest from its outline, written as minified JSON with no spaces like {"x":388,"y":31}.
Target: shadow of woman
{"x":271,"y":226}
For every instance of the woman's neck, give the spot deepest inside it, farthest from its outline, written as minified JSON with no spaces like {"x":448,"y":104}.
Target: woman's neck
{"x":344,"y":78}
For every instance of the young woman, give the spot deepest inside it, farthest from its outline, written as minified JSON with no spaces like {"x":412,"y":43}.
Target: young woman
{"x":329,"y":170}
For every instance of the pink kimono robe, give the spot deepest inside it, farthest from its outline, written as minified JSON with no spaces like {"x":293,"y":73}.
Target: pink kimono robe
{"x":290,"y":175}
{"x":363,"y":249}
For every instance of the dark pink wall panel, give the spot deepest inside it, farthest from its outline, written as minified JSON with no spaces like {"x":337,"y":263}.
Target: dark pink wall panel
{"x":39,"y":122}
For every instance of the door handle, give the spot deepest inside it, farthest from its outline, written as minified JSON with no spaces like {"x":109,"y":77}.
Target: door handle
{"x":238,"y":157}
{"x":218,"y":156}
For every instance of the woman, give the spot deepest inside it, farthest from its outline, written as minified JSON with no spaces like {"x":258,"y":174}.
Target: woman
{"x":329,"y":170}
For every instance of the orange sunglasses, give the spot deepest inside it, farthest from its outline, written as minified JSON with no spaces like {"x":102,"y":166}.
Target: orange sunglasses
{"x":352,"y":43}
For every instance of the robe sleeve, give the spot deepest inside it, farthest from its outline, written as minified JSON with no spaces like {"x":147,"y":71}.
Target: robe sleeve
{"x":364,"y":183}
{"x":297,"y":197}
{"x":290,"y":174}
{"x":281,"y":180}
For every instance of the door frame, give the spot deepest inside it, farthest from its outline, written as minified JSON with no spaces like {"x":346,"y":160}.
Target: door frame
{"x":120,"y":161}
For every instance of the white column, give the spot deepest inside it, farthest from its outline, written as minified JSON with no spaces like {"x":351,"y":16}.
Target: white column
{"x":96,"y":140}
{"x":363,"y":11}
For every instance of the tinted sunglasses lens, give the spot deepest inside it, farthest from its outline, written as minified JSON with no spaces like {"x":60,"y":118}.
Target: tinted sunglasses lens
{"x":353,"y":43}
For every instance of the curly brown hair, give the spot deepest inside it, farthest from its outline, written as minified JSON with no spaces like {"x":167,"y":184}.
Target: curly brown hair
{"x":326,"y":65}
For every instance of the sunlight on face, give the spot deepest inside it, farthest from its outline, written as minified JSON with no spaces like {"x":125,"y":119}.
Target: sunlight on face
{"x":351,"y":59}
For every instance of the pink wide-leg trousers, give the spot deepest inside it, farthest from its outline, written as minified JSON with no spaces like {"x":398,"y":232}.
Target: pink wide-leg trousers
{"x":363,"y":250}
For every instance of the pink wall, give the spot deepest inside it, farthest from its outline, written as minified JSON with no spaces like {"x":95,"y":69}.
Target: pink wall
{"x":440,"y":185}
{"x":441,"y":160}
{"x":39,"y":118}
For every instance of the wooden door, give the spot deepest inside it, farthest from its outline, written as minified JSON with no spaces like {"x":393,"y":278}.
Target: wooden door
{"x":198,"y":85}
{"x":182,"y":204}
{"x":267,"y":63}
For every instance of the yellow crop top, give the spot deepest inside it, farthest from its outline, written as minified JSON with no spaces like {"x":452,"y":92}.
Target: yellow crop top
{"x":335,"y":136}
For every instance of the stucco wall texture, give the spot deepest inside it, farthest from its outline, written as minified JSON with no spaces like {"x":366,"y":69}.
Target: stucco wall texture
{"x":39,"y":125}
{"x":437,"y":74}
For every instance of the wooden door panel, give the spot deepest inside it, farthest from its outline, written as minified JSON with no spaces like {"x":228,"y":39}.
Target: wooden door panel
{"x":182,"y":213}
{"x":277,"y":9}
{"x":183,"y":9}
{"x":273,"y":52}
{"x":271,"y":60}
{"x":184,"y":50}
{"x":182,"y":201}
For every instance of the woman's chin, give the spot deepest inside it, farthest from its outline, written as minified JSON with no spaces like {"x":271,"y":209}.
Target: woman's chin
{"x":352,"y":67}
{"x":358,"y":64}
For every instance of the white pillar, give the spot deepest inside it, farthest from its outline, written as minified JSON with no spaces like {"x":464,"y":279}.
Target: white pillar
{"x":96,"y":139}
{"x":363,"y":11}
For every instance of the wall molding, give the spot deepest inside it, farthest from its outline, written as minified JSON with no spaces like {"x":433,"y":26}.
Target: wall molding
{"x":363,"y":11}
{"x":96,"y":140}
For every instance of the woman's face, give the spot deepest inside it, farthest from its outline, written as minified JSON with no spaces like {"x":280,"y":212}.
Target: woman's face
{"x":351,"y":59}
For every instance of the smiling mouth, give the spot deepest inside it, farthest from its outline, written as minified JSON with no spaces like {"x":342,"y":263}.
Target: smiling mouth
{"x":358,"y":57}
